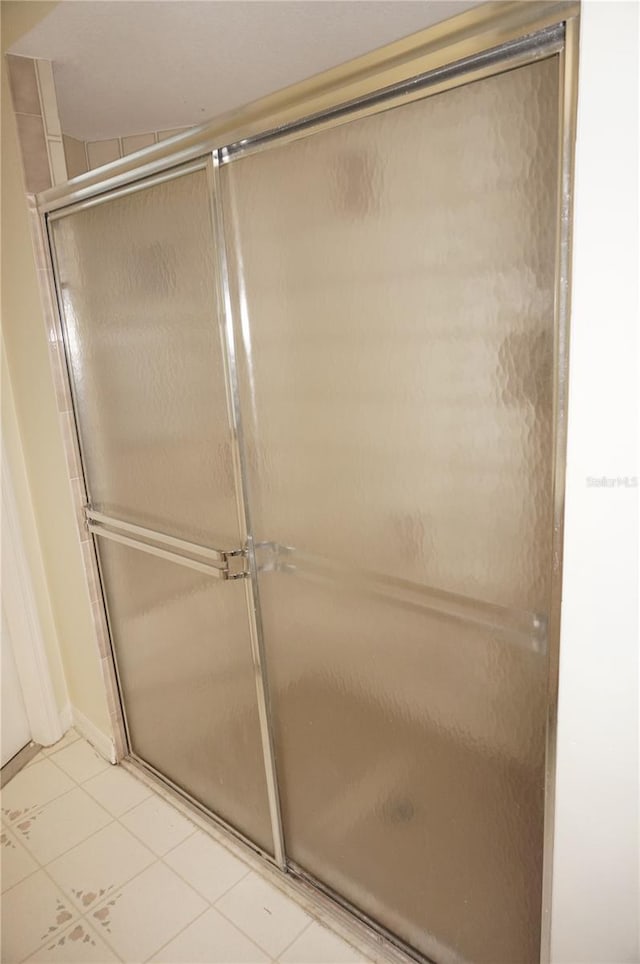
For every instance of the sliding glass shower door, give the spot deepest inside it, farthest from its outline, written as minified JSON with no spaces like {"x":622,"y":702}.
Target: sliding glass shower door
{"x":323,"y":512}
{"x":394,"y":282}
{"x":135,"y":274}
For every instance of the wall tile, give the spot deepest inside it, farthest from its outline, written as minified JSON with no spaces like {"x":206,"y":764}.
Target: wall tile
{"x":60,"y":382}
{"x":32,"y":911}
{"x":102,"y":635}
{"x":24,"y":86}
{"x":77,"y":493}
{"x":48,"y":102}
{"x":91,"y":571}
{"x":37,"y":237}
{"x":75,"y":154}
{"x":33,"y":146}
{"x":57,"y":160}
{"x":49,"y":309}
{"x":163,"y":135}
{"x":71,"y":452}
{"x":136,"y":142}
{"x":102,"y":152}
{"x":113,"y":702}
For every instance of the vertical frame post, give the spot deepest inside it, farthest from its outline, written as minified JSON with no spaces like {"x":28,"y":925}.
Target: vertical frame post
{"x":227,"y":336}
{"x":567,"y":96}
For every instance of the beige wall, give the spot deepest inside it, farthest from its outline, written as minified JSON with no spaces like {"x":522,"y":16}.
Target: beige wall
{"x":31,"y":427}
{"x":15,"y":458}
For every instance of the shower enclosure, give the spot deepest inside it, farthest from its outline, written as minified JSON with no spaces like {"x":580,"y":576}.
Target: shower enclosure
{"x":318,"y":363}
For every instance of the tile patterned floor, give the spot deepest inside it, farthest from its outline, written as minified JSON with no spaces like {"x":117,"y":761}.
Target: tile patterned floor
{"x":97,"y":867}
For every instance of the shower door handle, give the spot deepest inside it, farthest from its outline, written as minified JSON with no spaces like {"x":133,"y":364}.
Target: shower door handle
{"x":219,"y":563}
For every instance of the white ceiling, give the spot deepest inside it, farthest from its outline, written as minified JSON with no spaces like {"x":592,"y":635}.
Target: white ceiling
{"x":127,"y":66}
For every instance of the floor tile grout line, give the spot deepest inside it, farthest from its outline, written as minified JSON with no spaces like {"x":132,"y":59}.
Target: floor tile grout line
{"x":206,"y":911}
{"x":81,"y":784}
{"x":42,"y":865}
{"x":178,"y":933}
{"x":303,"y":931}
{"x":63,"y":853}
{"x":21,"y":881}
{"x":49,"y":751}
{"x":140,"y":840}
{"x":78,"y":914}
{"x":28,"y":852}
{"x":198,"y":830}
{"x":120,"y":887}
{"x":75,"y":916}
{"x":124,"y":812}
{"x":69,"y":924}
{"x":89,"y":912}
{"x":158,"y":858}
{"x":125,"y":883}
{"x":208,"y":836}
{"x":214,"y":903}
{"x":193,"y":887}
{"x":92,"y":925}
{"x":253,"y":939}
{"x":66,"y":772}
{"x":12,"y":823}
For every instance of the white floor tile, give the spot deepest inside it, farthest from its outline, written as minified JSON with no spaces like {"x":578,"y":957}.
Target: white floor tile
{"x":99,"y":866}
{"x":263,"y":913}
{"x":70,"y":737}
{"x":80,"y":761}
{"x":32,"y":911}
{"x":31,"y":788}
{"x":150,"y":910}
{"x":116,"y":790}
{"x":206,"y":865}
{"x":38,"y":758}
{"x":17,"y":863}
{"x":105,"y":895}
{"x":211,"y":940}
{"x":317,"y":945}
{"x":61,"y":824}
{"x":79,"y":944}
{"x":158,"y":825}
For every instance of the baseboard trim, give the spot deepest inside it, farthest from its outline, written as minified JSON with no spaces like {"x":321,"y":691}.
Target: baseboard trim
{"x":98,"y":740}
{"x":66,"y":718}
{"x":18,"y":762}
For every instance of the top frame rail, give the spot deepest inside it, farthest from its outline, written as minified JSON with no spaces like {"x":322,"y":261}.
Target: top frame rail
{"x":460,"y":40}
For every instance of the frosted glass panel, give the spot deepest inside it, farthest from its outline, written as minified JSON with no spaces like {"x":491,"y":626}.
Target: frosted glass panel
{"x":411,"y":750}
{"x":184,"y":660}
{"x":137,"y":283}
{"x":136,"y":280}
{"x":395,"y":305}
{"x":398,"y":309}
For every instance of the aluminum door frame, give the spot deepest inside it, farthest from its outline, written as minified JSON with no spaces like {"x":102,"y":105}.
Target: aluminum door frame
{"x":486,"y":40}
{"x":560,"y":42}
{"x":101,"y":526}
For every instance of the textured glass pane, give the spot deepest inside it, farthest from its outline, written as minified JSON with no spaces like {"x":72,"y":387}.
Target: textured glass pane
{"x":396,"y":314}
{"x":137,"y":284}
{"x":184,"y":661}
{"x":136,"y":280}
{"x":412,"y":758}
